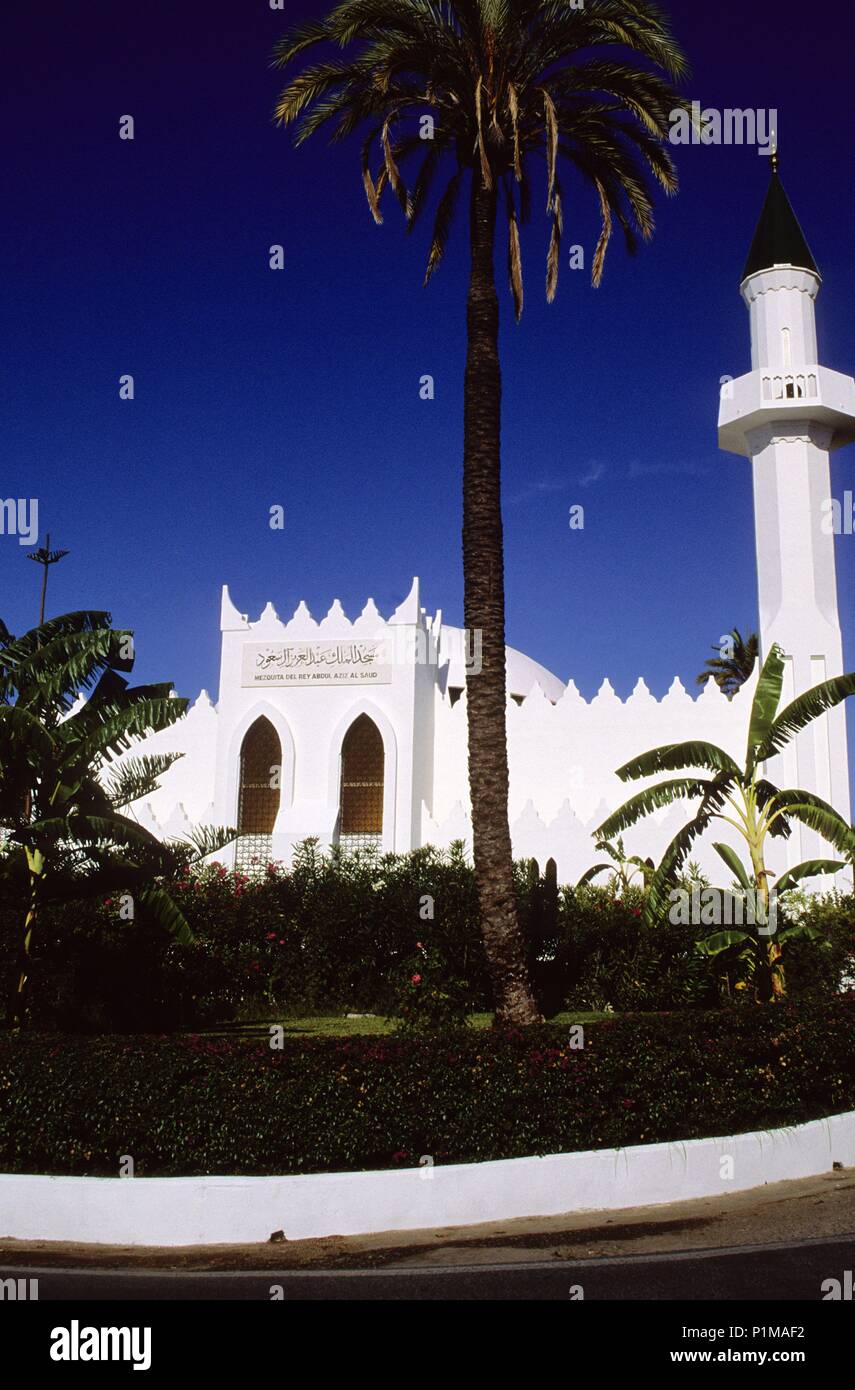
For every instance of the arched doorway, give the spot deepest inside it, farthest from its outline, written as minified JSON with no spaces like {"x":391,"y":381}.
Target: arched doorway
{"x":258,"y":795}
{"x":361,"y":795}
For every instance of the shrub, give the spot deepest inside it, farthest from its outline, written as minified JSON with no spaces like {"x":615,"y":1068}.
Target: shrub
{"x":815,"y":970}
{"x":194,"y":1104}
{"x":331,"y":933}
{"x":611,"y":959}
{"x":338,"y":933}
{"x":427,"y":999}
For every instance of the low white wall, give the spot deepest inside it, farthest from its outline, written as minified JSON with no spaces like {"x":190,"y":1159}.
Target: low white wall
{"x":215,"y":1210}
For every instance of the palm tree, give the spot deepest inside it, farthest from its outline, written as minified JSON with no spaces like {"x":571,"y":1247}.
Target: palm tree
{"x":731,"y":671}
{"x":745,"y":799}
{"x":497,"y":86}
{"x":62,"y":793}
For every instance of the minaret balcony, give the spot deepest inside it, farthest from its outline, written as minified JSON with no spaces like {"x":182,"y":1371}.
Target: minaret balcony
{"x":774,"y":395}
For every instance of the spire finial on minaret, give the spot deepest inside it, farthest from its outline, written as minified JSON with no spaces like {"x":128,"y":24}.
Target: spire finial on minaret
{"x":778,"y":240}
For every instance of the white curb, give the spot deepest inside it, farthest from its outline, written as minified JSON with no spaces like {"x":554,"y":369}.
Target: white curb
{"x":226,"y":1210}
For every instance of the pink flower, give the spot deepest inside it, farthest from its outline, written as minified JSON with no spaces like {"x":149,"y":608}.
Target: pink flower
{"x":271,"y":936}
{"x":416,"y":979}
{"x":419,"y":946}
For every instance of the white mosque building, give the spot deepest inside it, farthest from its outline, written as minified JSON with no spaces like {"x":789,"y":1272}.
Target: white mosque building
{"x":354,"y":731}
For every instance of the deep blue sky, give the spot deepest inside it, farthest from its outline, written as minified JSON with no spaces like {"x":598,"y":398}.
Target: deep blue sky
{"x":301,"y":387}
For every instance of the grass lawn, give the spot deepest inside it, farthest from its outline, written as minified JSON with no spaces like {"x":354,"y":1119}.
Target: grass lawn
{"x":337,"y":1025}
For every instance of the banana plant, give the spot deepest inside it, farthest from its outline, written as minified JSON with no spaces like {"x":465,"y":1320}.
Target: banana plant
{"x":745,"y":799}
{"x":767,"y":936}
{"x":67,"y":714}
{"x":623,"y":867}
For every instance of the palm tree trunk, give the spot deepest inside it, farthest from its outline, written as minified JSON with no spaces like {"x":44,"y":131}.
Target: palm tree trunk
{"x":484,"y":613}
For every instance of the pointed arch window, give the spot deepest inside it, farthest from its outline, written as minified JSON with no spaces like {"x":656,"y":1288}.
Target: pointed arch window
{"x":362,"y":784}
{"x":258,"y":798}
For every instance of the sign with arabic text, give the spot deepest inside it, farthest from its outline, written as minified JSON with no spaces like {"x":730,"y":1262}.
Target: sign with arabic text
{"x":350,"y":662}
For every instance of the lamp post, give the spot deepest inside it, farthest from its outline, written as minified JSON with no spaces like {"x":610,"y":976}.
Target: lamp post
{"x":45,"y":557}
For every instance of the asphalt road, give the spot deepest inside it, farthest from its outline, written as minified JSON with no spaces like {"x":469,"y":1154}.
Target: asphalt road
{"x":793,"y":1271}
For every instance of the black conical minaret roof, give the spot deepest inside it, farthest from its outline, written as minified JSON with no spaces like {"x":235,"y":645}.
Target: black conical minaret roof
{"x":778,"y":240}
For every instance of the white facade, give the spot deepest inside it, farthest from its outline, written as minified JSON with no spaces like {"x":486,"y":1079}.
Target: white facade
{"x":562,"y":749}
{"x":312,"y":679}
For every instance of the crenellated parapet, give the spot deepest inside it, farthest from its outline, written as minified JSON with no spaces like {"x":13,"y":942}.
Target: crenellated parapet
{"x":302,"y":625}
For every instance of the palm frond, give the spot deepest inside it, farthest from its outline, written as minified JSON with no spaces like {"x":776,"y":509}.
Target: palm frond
{"x":722,"y":941}
{"x":809,"y":869}
{"x":166,"y":912}
{"x":442,"y":223}
{"x":651,"y":799}
{"x":509,"y":81}
{"x":107,"y":731}
{"x":554,"y":254}
{"x":818,"y":815}
{"x":514,"y":259}
{"x":514,"y":112}
{"x":393,"y":173}
{"x":668,"y":869}
{"x":672,"y":757}
{"x":605,"y":234}
{"x":203,"y":840}
{"x":764,"y":706}
{"x":803,"y":711}
{"x":23,"y":736}
{"x":137,"y":777}
{"x":590,"y":874}
{"x":734,"y":863}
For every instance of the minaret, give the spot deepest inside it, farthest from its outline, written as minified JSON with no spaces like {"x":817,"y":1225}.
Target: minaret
{"x":786,"y":415}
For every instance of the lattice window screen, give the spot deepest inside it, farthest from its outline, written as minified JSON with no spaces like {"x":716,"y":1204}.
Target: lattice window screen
{"x":361,"y":784}
{"x":253,"y":853}
{"x":259,"y":800}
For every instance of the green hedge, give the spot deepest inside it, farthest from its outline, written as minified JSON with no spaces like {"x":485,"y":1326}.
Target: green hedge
{"x":341,"y":934}
{"x":331,"y":933}
{"x":199,"y":1104}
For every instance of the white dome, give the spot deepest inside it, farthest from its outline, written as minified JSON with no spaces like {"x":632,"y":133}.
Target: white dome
{"x":523,"y":673}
